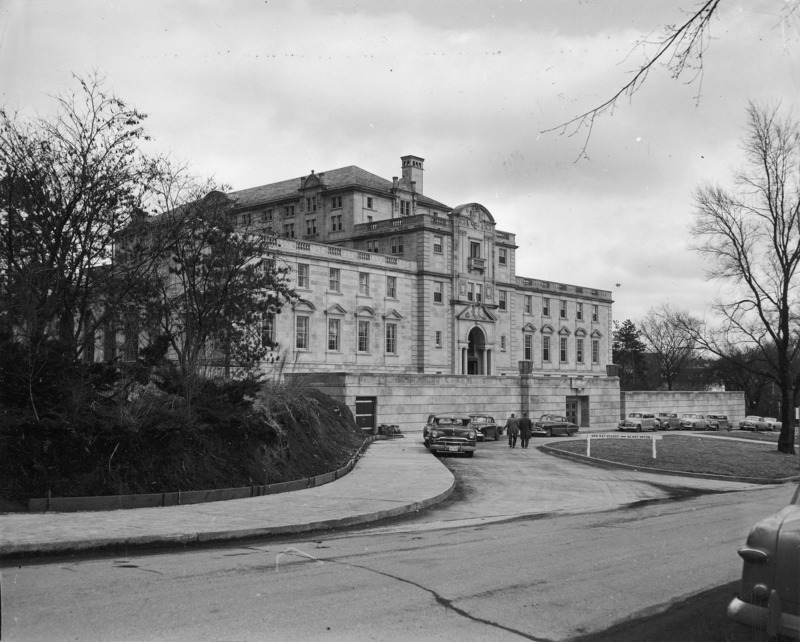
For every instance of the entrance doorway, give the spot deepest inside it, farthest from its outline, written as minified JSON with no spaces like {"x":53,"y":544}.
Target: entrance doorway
{"x":365,"y":413}
{"x":577,"y":410}
{"x":476,"y":352}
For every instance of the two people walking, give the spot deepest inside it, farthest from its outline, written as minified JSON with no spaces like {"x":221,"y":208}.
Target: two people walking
{"x":521,"y":428}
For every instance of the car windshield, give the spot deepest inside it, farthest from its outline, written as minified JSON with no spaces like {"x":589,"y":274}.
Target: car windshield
{"x":450,"y":421}
{"x":753,"y":418}
{"x":481,"y":420}
{"x":635,"y":414}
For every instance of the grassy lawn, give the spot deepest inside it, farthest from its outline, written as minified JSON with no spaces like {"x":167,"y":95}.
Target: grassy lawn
{"x":687,"y":453}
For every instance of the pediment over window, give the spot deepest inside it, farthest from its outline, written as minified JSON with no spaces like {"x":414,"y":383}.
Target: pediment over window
{"x":365,"y":311}
{"x":336,"y":309}
{"x":311,"y":181}
{"x":547,"y":329}
{"x":580,"y":332}
{"x":476,"y":312}
{"x":304,"y":304}
{"x":528,"y":327}
{"x":564,"y":332}
{"x":596,"y":334}
{"x":392,"y":314}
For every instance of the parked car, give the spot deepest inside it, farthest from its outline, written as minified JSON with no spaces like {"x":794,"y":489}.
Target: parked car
{"x":638,"y":421}
{"x":773,"y":423}
{"x":669,"y":420}
{"x":754,"y":423}
{"x":769,"y":594}
{"x":695,"y":421}
{"x":449,"y":434}
{"x":721,"y":421}
{"x":485,"y":427}
{"x":549,"y":425}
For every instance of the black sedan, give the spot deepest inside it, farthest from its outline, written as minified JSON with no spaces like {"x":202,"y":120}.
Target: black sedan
{"x":549,"y":425}
{"x":485,"y":427}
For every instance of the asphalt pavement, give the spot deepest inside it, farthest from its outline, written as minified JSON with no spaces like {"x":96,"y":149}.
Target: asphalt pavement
{"x":392,"y":478}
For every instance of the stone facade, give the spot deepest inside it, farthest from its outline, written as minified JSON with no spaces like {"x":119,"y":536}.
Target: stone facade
{"x":407,"y":400}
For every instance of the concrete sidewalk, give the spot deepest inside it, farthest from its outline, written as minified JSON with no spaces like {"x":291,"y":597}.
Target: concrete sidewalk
{"x":393,"y":477}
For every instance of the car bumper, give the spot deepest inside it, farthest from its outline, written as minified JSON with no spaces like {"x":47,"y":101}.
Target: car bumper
{"x":768,"y":618}
{"x":629,"y":428}
{"x":451,"y":448}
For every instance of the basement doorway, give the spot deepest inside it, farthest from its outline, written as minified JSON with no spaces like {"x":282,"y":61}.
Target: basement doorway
{"x":366,"y":413}
{"x":577,"y":410}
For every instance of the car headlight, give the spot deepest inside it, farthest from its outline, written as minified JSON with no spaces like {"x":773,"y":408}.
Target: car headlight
{"x":471,"y":434}
{"x":434,"y":434}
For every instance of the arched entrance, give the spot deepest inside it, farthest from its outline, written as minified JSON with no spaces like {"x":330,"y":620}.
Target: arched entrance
{"x":476,"y":352}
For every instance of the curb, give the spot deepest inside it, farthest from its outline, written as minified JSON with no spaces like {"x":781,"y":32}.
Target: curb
{"x":604,"y":463}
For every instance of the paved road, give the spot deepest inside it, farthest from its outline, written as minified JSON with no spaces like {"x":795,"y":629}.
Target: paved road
{"x":533,"y":547}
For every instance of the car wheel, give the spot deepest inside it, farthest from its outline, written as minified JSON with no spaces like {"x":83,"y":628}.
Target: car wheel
{"x":496,"y":436}
{"x":638,"y":429}
{"x":549,"y":432}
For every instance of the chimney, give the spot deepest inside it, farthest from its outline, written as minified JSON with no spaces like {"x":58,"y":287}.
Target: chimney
{"x":412,"y":170}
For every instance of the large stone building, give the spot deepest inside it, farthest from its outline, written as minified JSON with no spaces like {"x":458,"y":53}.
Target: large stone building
{"x":392,"y":282}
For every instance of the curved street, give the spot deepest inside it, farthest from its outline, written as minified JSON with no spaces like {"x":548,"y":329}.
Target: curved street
{"x":529,"y":546}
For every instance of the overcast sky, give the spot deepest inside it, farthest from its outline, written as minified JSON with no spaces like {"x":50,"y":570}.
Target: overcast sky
{"x":253,"y":92}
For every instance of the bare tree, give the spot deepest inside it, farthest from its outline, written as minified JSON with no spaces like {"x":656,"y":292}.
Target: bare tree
{"x":68,"y":185}
{"x":673,"y":346}
{"x":751,"y":235}
{"x":680,"y":48}
{"x":219,"y":285}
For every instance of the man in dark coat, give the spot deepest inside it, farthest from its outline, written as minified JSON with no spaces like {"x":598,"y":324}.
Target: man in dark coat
{"x":512,"y":428}
{"x":525,"y":428}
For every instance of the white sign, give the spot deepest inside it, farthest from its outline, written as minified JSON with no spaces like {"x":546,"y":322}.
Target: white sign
{"x":613,"y":435}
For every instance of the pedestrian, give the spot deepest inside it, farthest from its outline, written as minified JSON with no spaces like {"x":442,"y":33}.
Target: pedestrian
{"x":525,"y":428}
{"x":512,"y":428}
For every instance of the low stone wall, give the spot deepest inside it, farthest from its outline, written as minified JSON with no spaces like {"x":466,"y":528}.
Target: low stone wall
{"x":704,"y":402}
{"x":407,"y":399}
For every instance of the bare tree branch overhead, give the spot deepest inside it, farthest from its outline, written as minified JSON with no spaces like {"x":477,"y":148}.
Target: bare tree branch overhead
{"x":680,"y":49}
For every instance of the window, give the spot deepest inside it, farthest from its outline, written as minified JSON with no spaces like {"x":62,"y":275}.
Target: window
{"x":528,"y":304}
{"x":268,"y":331}
{"x":397,"y":244}
{"x":363,"y":336}
{"x":311,"y":226}
{"x":595,"y":313}
{"x":246,"y":218}
{"x":301,"y":333}
{"x":438,"y":291}
{"x":545,"y":348}
{"x":311,"y":204}
{"x":503,"y":342}
{"x":579,"y":311}
{"x":336,"y":202}
{"x":405,"y":208}
{"x":109,"y":343}
{"x":363,"y":284}
{"x":302,"y":275}
{"x":369,"y":202}
{"x":438,"y":338}
{"x":336,"y":223}
{"x":266,"y":216}
{"x":528,"y":347}
{"x":545,"y":307}
{"x":503,"y":299}
{"x":562,"y":312}
{"x":579,"y":350}
{"x":288,"y":230}
{"x":437,"y":244}
{"x":474,"y":250}
{"x":288,"y":211}
{"x":391,"y":287}
{"x":334,"y":284}
{"x":478,"y":292}
{"x":595,"y":351}
{"x":502,"y":256}
{"x":391,"y":338}
{"x":334,"y":328}
{"x":563,"y":350}
{"x":470,"y":291}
